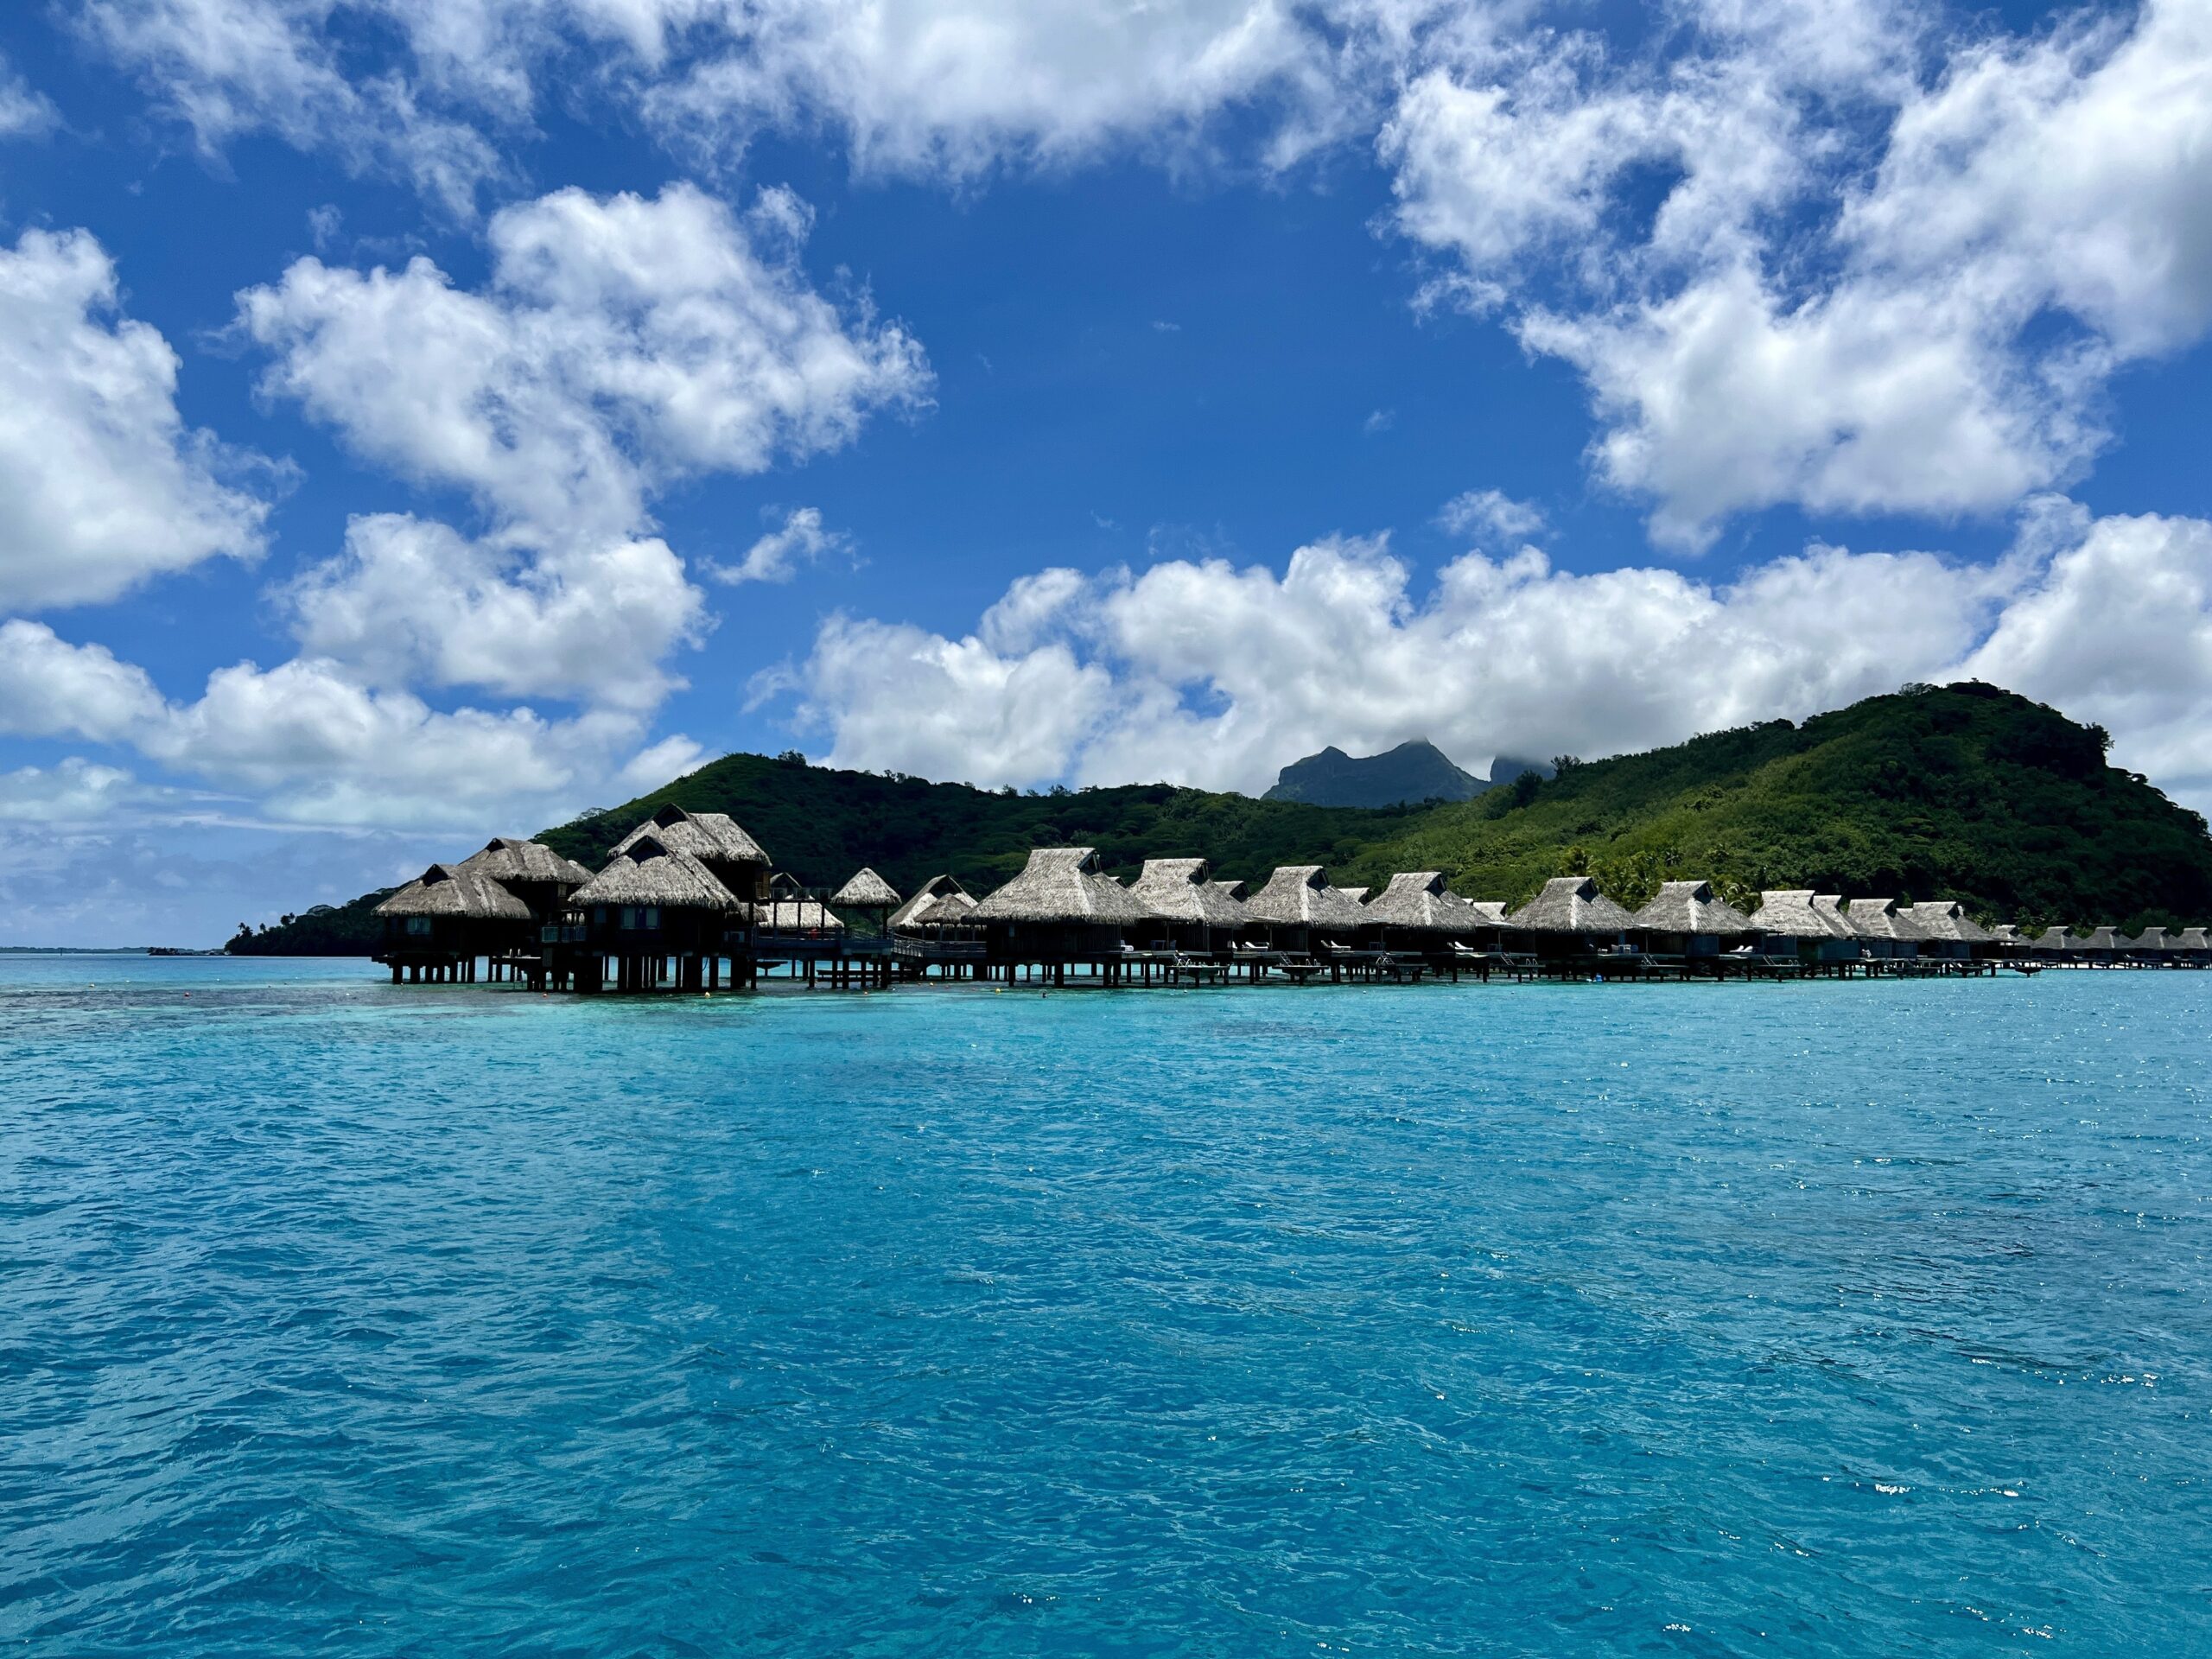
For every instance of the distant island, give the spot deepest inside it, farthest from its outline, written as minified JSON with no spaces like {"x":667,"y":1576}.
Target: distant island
{"x":1964,"y":791}
{"x":1415,"y":773}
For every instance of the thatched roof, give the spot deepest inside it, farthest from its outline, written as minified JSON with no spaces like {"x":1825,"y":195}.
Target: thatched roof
{"x":1181,"y":890}
{"x":2100,"y":938}
{"x":648,"y":871}
{"x":1419,"y":898}
{"x":1490,"y":912}
{"x":865,"y":891}
{"x":714,"y":836}
{"x":2151,"y":939}
{"x":1799,"y":913}
{"x":505,"y":859}
{"x":1879,"y":918}
{"x":1691,"y":907}
{"x":1229,"y":889}
{"x":939,"y":899}
{"x":1296,"y":895}
{"x":455,"y":890}
{"x":1946,"y":919}
{"x":1061,"y":885}
{"x":798,"y":916}
{"x":2005,"y":934}
{"x":1357,"y":896}
{"x":1572,"y":904}
{"x":2189,"y":938}
{"x":2053,"y":938}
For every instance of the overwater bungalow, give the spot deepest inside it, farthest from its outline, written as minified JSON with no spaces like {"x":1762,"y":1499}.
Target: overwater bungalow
{"x":870,"y":894}
{"x":2192,"y":947}
{"x":1947,"y":932}
{"x":436,"y":926}
{"x":531,"y":871}
{"x":1187,"y":909}
{"x":2149,"y":947}
{"x":1062,"y":909}
{"x":788,"y":909}
{"x":938,"y":902}
{"x":1688,"y":919}
{"x":2053,"y":942}
{"x":1299,"y":910}
{"x":1796,"y":922}
{"x":652,"y":905}
{"x":1882,"y":930}
{"x":730,"y":855}
{"x":2100,"y":948}
{"x":1570,"y":917}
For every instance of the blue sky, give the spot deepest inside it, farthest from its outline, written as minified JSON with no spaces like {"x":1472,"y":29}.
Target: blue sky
{"x":432,"y":418}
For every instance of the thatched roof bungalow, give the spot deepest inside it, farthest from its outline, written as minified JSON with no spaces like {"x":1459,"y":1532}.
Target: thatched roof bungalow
{"x":1298,"y":902}
{"x":1418,"y":907}
{"x":1947,"y":931}
{"x":2102,"y":944}
{"x":1181,"y":896}
{"x":1881,"y":928}
{"x":2192,"y":944}
{"x":938,"y":902}
{"x":870,"y":894}
{"x":531,"y":871}
{"x":1569,"y":916}
{"x":1061,"y":908}
{"x":653,"y":897}
{"x":2052,"y":942}
{"x":2151,"y":943}
{"x":714,"y":839}
{"x":452,"y":911}
{"x":1689,"y":919}
{"x":1796,"y":921}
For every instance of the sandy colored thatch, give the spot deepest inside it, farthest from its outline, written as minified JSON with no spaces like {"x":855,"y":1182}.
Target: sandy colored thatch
{"x":2101,"y":940}
{"x":1946,"y":919}
{"x":649,"y":871}
{"x":1061,"y":886}
{"x":2053,"y":938}
{"x":1419,"y":898}
{"x":1490,"y":912}
{"x":940,"y":900}
{"x":506,"y":859}
{"x":1297,"y":895}
{"x":713,"y":837}
{"x":1880,"y":918}
{"x":1182,"y":890}
{"x":865,"y":891}
{"x":455,"y":890}
{"x":2191,"y":938}
{"x":1572,"y":904}
{"x":1797,"y":913}
{"x":1691,"y":907}
{"x":1353,"y":895}
{"x":2150,"y":940}
{"x":1229,"y":889}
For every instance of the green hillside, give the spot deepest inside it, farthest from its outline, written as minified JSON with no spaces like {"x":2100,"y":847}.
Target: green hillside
{"x":1962,"y":791}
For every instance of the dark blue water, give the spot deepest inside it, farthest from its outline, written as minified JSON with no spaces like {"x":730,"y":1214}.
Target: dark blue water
{"x":1760,"y":1319}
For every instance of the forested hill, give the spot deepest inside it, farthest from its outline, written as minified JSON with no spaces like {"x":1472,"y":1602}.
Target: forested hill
{"x":1962,"y":792}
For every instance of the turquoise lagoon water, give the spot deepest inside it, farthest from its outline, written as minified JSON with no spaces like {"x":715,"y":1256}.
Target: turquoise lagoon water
{"x":1748,"y":1320}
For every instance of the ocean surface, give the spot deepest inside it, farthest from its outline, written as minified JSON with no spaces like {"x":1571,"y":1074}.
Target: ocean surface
{"x":1857,"y":1319}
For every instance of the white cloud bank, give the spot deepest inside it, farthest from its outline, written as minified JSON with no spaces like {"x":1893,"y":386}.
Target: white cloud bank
{"x":102,"y":484}
{"x":1887,"y":270}
{"x":1203,"y":672}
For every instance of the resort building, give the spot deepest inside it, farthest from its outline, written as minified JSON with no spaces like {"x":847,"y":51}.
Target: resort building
{"x":531,"y":871}
{"x":1686,"y":918}
{"x":1061,"y":910}
{"x":731,"y":856}
{"x":1569,"y":917}
{"x":436,"y":926}
{"x":1186,"y":906}
{"x":1299,"y":910}
{"x":1797,"y":922}
{"x":1882,"y":930}
{"x":1947,"y":932}
{"x":653,"y":911}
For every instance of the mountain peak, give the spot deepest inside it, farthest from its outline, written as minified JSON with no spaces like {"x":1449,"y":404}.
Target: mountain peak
{"x":1415,"y":771}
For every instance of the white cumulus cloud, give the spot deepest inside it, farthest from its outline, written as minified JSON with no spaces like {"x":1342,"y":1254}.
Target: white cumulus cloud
{"x":1204,"y":672}
{"x":1862,"y":288}
{"x":775,"y":556}
{"x":24,"y":111}
{"x":102,"y":484}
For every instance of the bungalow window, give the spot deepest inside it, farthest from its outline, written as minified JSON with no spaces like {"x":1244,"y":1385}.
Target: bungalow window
{"x":629,"y":917}
{"x":651,"y":915}
{"x":418,"y":924}
{"x":599,"y":915}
